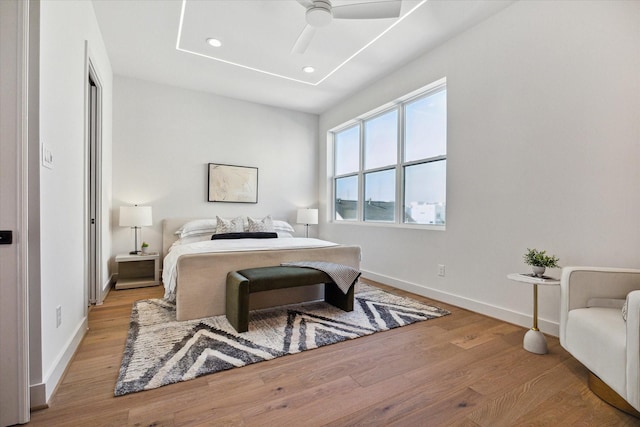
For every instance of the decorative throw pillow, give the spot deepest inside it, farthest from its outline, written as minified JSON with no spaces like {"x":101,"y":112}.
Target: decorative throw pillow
{"x":263,"y":225}
{"x":624,"y":309}
{"x":235,"y":225}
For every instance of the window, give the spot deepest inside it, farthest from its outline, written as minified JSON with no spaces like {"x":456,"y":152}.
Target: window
{"x":391,"y":166}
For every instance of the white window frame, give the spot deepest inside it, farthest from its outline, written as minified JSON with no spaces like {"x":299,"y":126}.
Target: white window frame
{"x":399,"y":166}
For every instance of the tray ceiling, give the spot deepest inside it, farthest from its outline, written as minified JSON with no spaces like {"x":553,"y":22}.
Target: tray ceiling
{"x":165,"y":41}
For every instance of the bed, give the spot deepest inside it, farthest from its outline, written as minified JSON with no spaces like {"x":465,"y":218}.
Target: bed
{"x":195,"y":277}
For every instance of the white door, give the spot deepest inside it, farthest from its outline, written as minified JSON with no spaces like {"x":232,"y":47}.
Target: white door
{"x":93,"y":279}
{"x":94,"y":182}
{"x":14,"y":366}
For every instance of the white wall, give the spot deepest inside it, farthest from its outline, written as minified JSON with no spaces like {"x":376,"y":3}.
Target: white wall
{"x":164,"y":137}
{"x":65,"y":25}
{"x":543,"y":151}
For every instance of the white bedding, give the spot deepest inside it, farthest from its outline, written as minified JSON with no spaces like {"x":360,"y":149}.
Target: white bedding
{"x":232,"y":245}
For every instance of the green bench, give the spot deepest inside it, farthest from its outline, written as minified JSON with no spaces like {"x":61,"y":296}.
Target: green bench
{"x":242,"y":283}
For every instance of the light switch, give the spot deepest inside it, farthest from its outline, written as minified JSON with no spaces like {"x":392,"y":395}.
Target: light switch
{"x":47,"y":157}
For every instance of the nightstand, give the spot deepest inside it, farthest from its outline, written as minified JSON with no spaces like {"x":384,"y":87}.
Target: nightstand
{"x":137,"y":271}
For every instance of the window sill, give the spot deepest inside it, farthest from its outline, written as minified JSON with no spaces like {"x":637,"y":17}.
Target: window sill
{"x":390,"y":225}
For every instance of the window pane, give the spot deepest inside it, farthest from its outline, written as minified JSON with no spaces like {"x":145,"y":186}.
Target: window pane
{"x":381,"y":140}
{"x":346,"y":202}
{"x":425,"y":193}
{"x":426,"y":127}
{"x":380,"y":195}
{"x":347,"y":146}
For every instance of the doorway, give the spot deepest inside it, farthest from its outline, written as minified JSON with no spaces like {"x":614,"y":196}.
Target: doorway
{"x":93,"y":185}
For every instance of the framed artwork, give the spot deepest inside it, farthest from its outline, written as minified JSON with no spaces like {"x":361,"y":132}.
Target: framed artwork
{"x":235,"y":184}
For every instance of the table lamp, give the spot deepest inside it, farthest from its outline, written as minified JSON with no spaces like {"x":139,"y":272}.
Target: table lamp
{"x":135,"y":217}
{"x":307,"y":217}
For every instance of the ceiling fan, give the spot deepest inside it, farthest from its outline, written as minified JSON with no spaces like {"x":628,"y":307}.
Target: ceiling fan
{"x":320,"y":13}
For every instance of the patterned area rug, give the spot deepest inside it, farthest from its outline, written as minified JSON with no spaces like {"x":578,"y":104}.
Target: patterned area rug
{"x":161,"y":350}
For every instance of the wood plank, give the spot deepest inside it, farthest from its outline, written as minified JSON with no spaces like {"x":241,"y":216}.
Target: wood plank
{"x":443,"y":411}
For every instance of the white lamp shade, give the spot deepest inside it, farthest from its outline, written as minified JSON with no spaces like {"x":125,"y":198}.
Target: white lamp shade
{"x":307,"y":216}
{"x":135,"y":216}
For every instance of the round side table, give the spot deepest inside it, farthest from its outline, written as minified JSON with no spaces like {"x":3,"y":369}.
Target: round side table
{"x":534,"y":340}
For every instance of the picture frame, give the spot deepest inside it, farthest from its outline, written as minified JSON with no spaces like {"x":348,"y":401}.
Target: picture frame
{"x":232,"y":184}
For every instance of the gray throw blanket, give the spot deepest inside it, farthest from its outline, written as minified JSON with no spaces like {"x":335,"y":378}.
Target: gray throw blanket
{"x":342,"y":275}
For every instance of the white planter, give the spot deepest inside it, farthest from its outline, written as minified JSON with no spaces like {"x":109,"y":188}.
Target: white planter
{"x":538,"y":271}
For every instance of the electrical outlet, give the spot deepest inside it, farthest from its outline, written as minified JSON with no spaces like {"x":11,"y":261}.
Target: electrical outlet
{"x":441,"y":270}
{"x":58,"y":316}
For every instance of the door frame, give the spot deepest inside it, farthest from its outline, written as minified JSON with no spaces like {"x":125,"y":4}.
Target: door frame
{"x":93,"y":139}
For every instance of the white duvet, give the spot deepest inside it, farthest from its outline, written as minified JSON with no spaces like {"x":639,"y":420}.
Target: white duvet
{"x":230,"y":245}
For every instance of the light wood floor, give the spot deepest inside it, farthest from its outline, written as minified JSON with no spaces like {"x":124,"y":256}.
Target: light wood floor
{"x":464,"y":369}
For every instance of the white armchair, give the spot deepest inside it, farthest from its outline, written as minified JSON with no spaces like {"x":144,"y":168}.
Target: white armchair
{"x":593,"y":330}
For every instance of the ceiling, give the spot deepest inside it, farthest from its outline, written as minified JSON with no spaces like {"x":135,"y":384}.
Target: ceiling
{"x":165,"y":41}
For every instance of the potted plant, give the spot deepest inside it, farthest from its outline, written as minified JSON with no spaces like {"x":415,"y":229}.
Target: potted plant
{"x":539,"y":261}
{"x":144,"y":247}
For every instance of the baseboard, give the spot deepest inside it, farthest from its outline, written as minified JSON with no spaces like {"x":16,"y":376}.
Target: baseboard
{"x":38,"y":397}
{"x":110,"y":282}
{"x":106,"y":288}
{"x":510,"y":316}
{"x":45,"y":390}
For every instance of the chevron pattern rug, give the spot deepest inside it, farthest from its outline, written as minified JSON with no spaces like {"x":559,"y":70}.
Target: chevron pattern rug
{"x":161,"y":351}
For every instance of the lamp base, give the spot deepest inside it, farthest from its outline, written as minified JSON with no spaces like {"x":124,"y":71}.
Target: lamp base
{"x":135,"y":250}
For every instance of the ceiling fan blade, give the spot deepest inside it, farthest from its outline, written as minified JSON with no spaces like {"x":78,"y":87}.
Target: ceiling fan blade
{"x":372,"y":10}
{"x":304,"y":39}
{"x":306,"y":3}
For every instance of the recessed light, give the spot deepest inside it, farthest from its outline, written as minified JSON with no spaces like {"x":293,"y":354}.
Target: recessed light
{"x":214,"y":42}
{"x":308,"y":69}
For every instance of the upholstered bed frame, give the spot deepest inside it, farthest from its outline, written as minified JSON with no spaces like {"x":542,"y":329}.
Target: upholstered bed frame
{"x":201,"y":278}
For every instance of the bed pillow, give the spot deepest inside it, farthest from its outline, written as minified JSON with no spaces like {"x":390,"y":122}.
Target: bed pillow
{"x":235,"y":225}
{"x":247,"y":235}
{"x":261,"y":225}
{"x":282,"y":226}
{"x":196,"y":227}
